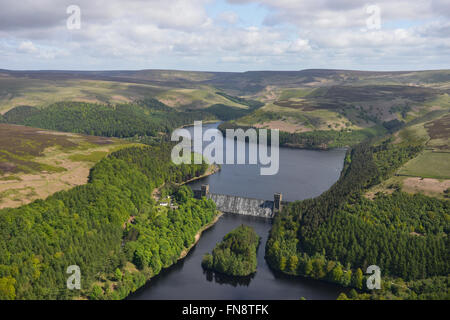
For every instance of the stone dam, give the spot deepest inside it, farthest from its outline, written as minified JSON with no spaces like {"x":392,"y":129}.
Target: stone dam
{"x":243,"y":205}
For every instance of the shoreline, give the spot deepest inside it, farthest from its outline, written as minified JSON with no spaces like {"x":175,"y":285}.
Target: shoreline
{"x":185,"y":251}
{"x":198,"y":235}
{"x":212,"y":169}
{"x":203,"y":122}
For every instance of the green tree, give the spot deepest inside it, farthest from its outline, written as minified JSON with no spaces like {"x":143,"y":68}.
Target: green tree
{"x":293,"y":262}
{"x":342,"y":296}
{"x":353,"y":294}
{"x":96,"y":293}
{"x":282,"y":263}
{"x":358,"y":279}
{"x":7,"y":289}
{"x":346,"y":278}
{"x":337,"y":273}
{"x":308,"y":267}
{"x":207,"y":261}
{"x":118,"y":274}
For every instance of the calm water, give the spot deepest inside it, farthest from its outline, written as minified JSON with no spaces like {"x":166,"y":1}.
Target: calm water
{"x":303,"y":174}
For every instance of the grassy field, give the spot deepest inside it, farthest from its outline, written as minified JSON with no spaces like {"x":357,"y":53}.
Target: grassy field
{"x":273,"y":116}
{"x":415,"y":134}
{"x":428,"y":164}
{"x":197,"y":98}
{"x":294,"y":93}
{"x":36,"y":163}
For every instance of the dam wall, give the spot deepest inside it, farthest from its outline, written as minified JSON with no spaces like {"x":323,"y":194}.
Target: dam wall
{"x":241,"y":205}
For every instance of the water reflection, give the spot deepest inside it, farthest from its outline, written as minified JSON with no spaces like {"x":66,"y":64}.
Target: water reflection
{"x":234,"y":281}
{"x":187,"y":279}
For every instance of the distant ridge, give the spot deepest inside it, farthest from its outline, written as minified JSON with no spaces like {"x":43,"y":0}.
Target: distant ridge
{"x":242,"y":83}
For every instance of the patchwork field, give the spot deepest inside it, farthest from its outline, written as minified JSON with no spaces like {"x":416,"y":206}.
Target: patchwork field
{"x":295,"y":101}
{"x":343,"y":108}
{"x":355,"y":107}
{"x":429,"y":172}
{"x":36,"y":163}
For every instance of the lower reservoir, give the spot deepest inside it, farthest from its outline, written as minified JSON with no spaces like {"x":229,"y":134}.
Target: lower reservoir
{"x":302,"y":174}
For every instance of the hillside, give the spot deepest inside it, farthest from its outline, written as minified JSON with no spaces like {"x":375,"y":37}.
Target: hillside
{"x":183,"y":88}
{"x":36,"y":163}
{"x":324,"y":103}
{"x":43,"y":88}
{"x":345,"y":108}
{"x":429,"y":171}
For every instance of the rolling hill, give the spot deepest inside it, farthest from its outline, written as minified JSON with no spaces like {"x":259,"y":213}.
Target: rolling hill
{"x":36,"y":163}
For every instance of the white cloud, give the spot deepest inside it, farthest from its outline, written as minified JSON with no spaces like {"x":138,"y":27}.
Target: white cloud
{"x":299,"y":45}
{"x":27,"y":47}
{"x":228,"y":17}
{"x":169,"y":34}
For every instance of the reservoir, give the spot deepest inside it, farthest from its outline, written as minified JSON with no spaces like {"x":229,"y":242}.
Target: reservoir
{"x":302,"y":174}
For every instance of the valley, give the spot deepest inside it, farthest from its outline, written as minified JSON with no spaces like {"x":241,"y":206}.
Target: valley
{"x":364,"y":163}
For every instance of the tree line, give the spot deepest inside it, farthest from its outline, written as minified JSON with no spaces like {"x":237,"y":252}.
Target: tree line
{"x":111,"y":228}
{"x":148,"y":117}
{"x":317,"y":139}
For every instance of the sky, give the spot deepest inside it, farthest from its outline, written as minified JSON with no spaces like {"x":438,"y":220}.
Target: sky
{"x":224,"y":35}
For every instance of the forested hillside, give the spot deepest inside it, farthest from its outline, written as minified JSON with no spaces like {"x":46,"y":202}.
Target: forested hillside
{"x":110,"y":227}
{"x":337,"y":235}
{"x":318,"y":139}
{"x":144,"y":118}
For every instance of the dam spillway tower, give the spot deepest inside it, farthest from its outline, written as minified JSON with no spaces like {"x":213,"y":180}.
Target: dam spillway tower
{"x":277,"y":198}
{"x":205,"y":190}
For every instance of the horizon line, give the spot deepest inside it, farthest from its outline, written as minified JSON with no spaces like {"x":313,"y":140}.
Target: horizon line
{"x":205,"y":71}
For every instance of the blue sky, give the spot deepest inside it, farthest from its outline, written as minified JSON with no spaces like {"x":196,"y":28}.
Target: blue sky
{"x":250,"y":14}
{"x":226,"y":35}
